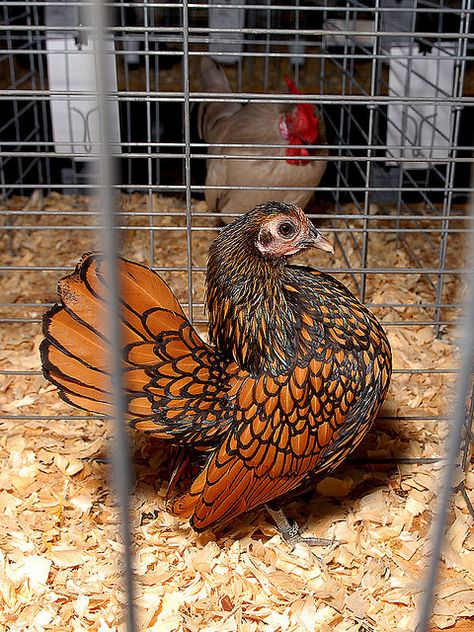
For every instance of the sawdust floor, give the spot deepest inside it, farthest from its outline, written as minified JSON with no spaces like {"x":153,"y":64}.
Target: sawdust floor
{"x":59,"y":535}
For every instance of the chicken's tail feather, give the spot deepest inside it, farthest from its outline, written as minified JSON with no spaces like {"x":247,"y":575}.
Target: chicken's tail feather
{"x":214,"y":79}
{"x":167,"y":367}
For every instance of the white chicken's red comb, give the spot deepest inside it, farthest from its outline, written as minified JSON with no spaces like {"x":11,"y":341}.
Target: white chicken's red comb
{"x":292,"y":86}
{"x":306,"y":108}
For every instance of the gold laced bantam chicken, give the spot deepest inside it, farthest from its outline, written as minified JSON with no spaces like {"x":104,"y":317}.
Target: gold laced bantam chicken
{"x":296,"y":131}
{"x":294,"y":375}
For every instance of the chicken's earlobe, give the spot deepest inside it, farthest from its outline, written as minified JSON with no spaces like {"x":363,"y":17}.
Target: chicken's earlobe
{"x":283,"y":127}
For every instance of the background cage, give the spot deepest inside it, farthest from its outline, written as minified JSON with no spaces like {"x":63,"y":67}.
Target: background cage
{"x":394,"y":80}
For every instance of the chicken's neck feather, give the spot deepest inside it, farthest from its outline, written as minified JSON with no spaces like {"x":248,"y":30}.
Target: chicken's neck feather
{"x":252,"y":319}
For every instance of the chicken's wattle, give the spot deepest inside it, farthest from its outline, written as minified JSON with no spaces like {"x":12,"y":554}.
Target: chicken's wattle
{"x":295,"y":154}
{"x":294,"y":151}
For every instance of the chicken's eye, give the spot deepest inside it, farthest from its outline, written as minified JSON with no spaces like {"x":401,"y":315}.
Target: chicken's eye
{"x":286,"y":229}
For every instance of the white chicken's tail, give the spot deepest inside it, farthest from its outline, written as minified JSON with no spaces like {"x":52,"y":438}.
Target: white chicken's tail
{"x":214,"y":79}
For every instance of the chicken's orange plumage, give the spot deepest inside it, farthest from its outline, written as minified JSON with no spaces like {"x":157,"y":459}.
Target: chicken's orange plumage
{"x":293,"y":377}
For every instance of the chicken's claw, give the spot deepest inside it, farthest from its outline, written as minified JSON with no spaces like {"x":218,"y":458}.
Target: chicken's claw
{"x":290,"y":531}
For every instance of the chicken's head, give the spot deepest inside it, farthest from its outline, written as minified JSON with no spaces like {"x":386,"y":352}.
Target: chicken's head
{"x":282,"y":230}
{"x":268,"y":235}
{"x":298,"y":127}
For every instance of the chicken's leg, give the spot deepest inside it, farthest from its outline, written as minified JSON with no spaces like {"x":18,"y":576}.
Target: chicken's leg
{"x":291,"y":532}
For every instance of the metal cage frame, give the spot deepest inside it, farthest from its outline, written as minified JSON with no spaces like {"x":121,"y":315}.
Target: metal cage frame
{"x":345,"y":53}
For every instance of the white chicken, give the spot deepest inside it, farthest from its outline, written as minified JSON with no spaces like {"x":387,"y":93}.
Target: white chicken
{"x":297,"y":128}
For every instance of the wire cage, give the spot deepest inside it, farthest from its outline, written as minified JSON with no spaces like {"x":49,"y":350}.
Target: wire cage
{"x":394,"y":82}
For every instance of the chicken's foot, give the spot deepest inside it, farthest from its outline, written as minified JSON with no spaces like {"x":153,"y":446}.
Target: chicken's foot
{"x":290,"y":531}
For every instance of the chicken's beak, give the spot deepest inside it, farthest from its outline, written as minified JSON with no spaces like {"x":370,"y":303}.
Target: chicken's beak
{"x":319,"y":241}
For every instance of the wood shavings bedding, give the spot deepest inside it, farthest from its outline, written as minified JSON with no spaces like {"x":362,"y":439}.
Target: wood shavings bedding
{"x":59,"y":539}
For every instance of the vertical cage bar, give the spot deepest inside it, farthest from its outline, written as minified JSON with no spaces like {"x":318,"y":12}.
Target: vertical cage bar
{"x":40,"y":61}
{"x":370,"y":152}
{"x":342,"y":118}
{"x":128,"y":112}
{"x":322,"y":49}
{"x":404,"y":120}
{"x":151,"y":241}
{"x":453,"y":445}
{"x":187,"y":155}
{"x":13,"y":84}
{"x":107,"y":202}
{"x":296,"y":44}
{"x":458,"y":86}
{"x":156,"y":88}
{"x":345,"y":111}
{"x":31,"y":58}
{"x":266,"y":62}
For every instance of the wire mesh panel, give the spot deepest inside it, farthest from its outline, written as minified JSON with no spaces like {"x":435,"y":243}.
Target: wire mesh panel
{"x":386,"y":173}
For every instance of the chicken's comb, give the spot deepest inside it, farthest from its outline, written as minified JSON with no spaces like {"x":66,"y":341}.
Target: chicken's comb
{"x":292,"y":86}
{"x":307,"y":108}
